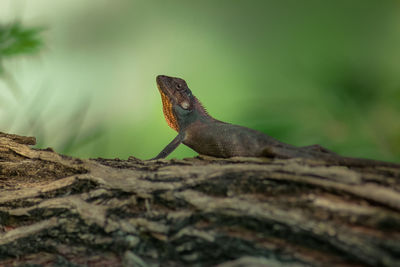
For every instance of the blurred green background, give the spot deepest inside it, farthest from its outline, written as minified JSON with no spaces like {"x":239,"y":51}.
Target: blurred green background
{"x":80,"y":75}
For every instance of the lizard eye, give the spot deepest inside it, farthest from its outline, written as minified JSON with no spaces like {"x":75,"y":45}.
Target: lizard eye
{"x":179,"y":86}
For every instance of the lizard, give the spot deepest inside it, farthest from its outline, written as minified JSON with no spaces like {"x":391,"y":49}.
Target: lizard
{"x":206,"y":135}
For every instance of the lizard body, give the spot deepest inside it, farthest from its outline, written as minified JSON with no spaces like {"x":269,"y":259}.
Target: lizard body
{"x":208,"y":136}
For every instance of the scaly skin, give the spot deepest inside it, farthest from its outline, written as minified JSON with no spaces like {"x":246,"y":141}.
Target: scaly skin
{"x":208,"y":136}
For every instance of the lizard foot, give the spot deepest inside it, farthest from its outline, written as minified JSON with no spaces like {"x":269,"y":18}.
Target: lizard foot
{"x":318,"y":148}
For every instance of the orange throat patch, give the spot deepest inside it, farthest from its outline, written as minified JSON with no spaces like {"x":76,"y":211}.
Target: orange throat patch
{"x":168,"y":114}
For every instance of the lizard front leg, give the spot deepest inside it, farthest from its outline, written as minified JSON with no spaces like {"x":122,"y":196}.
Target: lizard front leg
{"x":170,"y":147}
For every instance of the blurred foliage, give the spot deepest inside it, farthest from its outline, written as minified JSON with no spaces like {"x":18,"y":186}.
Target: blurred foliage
{"x":17,"y":40}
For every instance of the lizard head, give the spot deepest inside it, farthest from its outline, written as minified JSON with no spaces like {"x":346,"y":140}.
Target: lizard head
{"x":177,"y":99}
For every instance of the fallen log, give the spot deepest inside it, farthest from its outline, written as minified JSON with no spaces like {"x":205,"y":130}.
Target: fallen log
{"x":57,"y":210}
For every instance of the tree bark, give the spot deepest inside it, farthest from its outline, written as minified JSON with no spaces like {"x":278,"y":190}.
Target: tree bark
{"x":61,"y":211}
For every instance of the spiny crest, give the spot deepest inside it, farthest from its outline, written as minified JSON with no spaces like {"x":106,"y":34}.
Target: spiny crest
{"x":199,"y":106}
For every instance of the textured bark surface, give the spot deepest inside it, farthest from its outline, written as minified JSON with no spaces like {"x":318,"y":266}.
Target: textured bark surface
{"x":61,"y":211}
